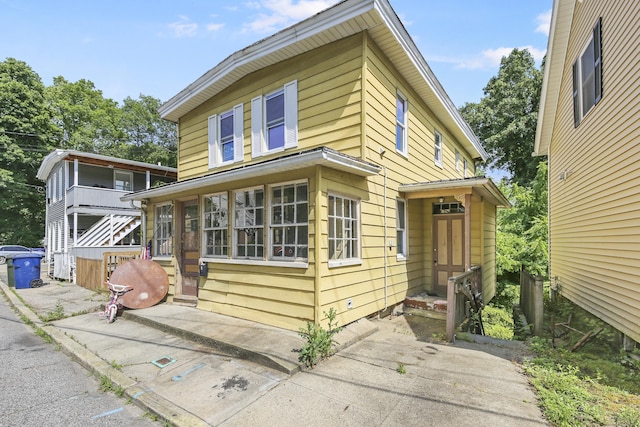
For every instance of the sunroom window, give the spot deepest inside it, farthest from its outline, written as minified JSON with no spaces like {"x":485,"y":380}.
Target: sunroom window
{"x":290,"y":221}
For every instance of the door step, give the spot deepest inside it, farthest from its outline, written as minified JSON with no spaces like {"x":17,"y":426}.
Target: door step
{"x":185,"y":300}
{"x":426,"y":305}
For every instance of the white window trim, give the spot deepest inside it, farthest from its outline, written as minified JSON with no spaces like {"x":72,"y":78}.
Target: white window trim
{"x":458,"y":157}
{"x":438,"y":147}
{"x":357,"y":260}
{"x":405,"y":125}
{"x":258,"y":121}
{"x":405,"y":239}
{"x":578,"y":89}
{"x":214,"y":146}
{"x":204,"y":229}
{"x":269,"y":226}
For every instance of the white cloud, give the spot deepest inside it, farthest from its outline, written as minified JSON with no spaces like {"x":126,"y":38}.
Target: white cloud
{"x":544,"y":23}
{"x":491,"y":58}
{"x":183,"y":27}
{"x":214,"y":27}
{"x":280,"y":13}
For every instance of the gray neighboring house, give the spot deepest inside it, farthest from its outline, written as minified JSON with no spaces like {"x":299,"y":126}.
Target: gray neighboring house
{"x":84,"y":214}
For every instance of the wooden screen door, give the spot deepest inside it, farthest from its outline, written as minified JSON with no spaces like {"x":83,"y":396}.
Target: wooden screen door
{"x":190,"y":248}
{"x":448,"y":250}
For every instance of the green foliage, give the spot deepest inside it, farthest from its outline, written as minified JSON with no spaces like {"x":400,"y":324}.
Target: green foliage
{"x":401,"y":369}
{"x":506,"y":117}
{"x":56,"y":314}
{"x":34,"y":120}
{"x":319,"y":342}
{"x":565,"y":399}
{"x":498,"y":323}
{"x":522,"y":229}
{"x":149,"y":138}
{"x":507,"y":294}
{"x":25,"y":135}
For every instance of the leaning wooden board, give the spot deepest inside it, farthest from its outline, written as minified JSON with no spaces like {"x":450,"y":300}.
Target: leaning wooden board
{"x":148,"y":279}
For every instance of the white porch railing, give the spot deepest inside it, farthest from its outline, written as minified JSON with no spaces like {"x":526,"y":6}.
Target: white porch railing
{"x":95,"y":196}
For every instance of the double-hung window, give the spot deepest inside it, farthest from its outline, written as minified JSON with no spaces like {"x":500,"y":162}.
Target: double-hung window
{"x":402,"y":106}
{"x":162,"y":244}
{"x":587,"y":76}
{"x":289,"y":221}
{"x":215,"y":224}
{"x":248,"y":225}
{"x":274,"y":120}
{"x":401,"y":227}
{"x":344,"y":226}
{"x":226,"y":137}
{"x":437,"y":148}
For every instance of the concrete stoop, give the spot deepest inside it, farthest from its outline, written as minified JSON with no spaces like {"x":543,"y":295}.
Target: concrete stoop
{"x":426,"y":305}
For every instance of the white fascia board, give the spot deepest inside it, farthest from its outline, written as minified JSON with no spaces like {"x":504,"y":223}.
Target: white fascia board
{"x":321,"y":157}
{"x":314,"y":25}
{"x":559,"y":32}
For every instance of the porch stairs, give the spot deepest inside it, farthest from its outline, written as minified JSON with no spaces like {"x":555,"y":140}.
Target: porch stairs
{"x":426,"y":305}
{"x":100,"y":233}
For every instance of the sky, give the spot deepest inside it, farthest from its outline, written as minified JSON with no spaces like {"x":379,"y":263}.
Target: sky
{"x":157,"y":48}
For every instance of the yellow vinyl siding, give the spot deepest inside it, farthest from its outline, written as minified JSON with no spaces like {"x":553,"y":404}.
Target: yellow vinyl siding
{"x":329,"y":103}
{"x":595,"y":211}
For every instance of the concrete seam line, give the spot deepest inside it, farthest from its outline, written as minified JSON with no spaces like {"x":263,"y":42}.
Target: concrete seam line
{"x":166,"y":409}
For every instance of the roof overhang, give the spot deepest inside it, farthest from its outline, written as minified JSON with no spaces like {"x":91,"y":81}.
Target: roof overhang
{"x":561,"y":19}
{"x":56,"y":156}
{"x":342,"y":20}
{"x":480,"y":186}
{"x":318,"y":157}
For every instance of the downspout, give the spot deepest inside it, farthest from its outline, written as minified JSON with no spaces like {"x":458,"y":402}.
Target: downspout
{"x":384,"y":244}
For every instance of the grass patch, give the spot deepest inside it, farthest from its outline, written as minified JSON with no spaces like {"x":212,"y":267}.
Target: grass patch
{"x":56,"y":314}
{"x":107,"y":385}
{"x":401,"y":369}
{"x":598,"y":384}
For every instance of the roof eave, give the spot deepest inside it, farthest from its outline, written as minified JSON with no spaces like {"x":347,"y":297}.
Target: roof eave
{"x":318,"y":157}
{"x":59,"y":155}
{"x":359,"y":14}
{"x":483,"y":185}
{"x":561,"y":19}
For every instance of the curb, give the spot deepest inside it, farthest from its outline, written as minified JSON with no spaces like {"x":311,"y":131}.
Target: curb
{"x":145,"y":399}
{"x":230,"y":349}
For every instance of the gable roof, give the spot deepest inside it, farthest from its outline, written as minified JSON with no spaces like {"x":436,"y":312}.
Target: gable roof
{"x":561,"y":19}
{"x":56,"y":156}
{"x":337,"y":22}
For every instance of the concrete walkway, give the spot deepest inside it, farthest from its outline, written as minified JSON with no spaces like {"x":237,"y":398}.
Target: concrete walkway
{"x":192,"y":367}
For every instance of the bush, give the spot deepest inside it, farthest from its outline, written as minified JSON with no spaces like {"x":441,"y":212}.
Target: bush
{"x":497,"y":322}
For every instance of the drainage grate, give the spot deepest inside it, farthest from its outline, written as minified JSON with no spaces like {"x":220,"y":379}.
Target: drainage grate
{"x":163,"y":361}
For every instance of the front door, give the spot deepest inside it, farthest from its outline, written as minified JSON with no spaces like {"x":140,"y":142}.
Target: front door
{"x":190,"y":248}
{"x":448,"y":250}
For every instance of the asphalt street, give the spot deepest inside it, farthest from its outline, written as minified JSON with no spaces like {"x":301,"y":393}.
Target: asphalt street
{"x":42,"y":386}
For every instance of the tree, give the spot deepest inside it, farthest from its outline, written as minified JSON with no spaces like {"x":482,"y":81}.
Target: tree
{"x":149,"y":138}
{"x":88,"y":121}
{"x":26,"y":133}
{"x":505,"y":118}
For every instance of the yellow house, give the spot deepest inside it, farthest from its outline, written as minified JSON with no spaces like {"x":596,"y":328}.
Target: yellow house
{"x":588,"y":127}
{"x":322,"y":167}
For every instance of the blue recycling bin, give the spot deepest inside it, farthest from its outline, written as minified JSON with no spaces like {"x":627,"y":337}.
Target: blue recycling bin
{"x":26,"y":267}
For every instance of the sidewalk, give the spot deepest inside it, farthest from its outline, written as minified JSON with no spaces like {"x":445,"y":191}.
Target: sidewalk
{"x":193,"y":367}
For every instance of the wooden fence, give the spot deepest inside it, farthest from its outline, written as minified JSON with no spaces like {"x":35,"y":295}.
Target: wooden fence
{"x":460,"y":289}
{"x":532,"y":300}
{"x":92,"y":273}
